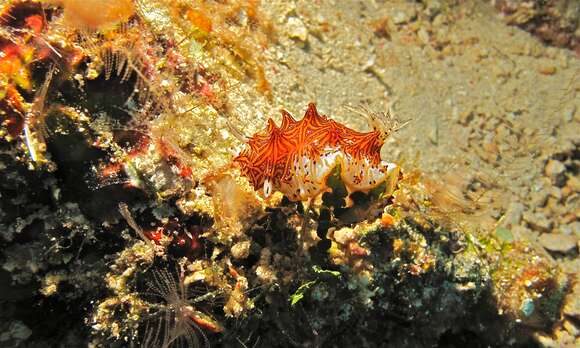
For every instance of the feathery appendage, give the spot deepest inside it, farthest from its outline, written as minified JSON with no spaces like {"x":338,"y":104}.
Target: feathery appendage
{"x":173,"y":319}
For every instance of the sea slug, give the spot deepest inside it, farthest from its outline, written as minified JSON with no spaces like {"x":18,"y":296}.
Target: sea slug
{"x":298,"y":157}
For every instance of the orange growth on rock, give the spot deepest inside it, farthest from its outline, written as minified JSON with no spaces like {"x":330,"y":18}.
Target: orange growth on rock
{"x":35,"y":22}
{"x":199,"y":19}
{"x":96,"y":14}
{"x":387,"y":220}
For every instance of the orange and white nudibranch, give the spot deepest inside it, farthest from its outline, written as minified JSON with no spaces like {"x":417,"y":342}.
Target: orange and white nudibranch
{"x":297,"y":157}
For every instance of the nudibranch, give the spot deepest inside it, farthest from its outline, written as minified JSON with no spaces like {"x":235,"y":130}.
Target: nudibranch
{"x":297,"y":157}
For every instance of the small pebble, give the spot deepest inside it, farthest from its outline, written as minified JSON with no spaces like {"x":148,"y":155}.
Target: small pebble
{"x":556,"y":192}
{"x":555,"y":171}
{"x":569,"y":113}
{"x":574,"y":184}
{"x":538,"y":221}
{"x":572,"y":305}
{"x":405,"y":15}
{"x":423,"y":36}
{"x":344,"y":235}
{"x":432,"y":8}
{"x":575,"y":227}
{"x":572,"y":201}
{"x":439,"y":20}
{"x":566,"y":191}
{"x":547,"y":70}
{"x":571,"y":328}
{"x":539,"y":198}
{"x":241,"y":250}
{"x":514,"y":213}
{"x":17,"y":331}
{"x":297,"y":30}
{"x":558,"y":242}
{"x":565,"y":229}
